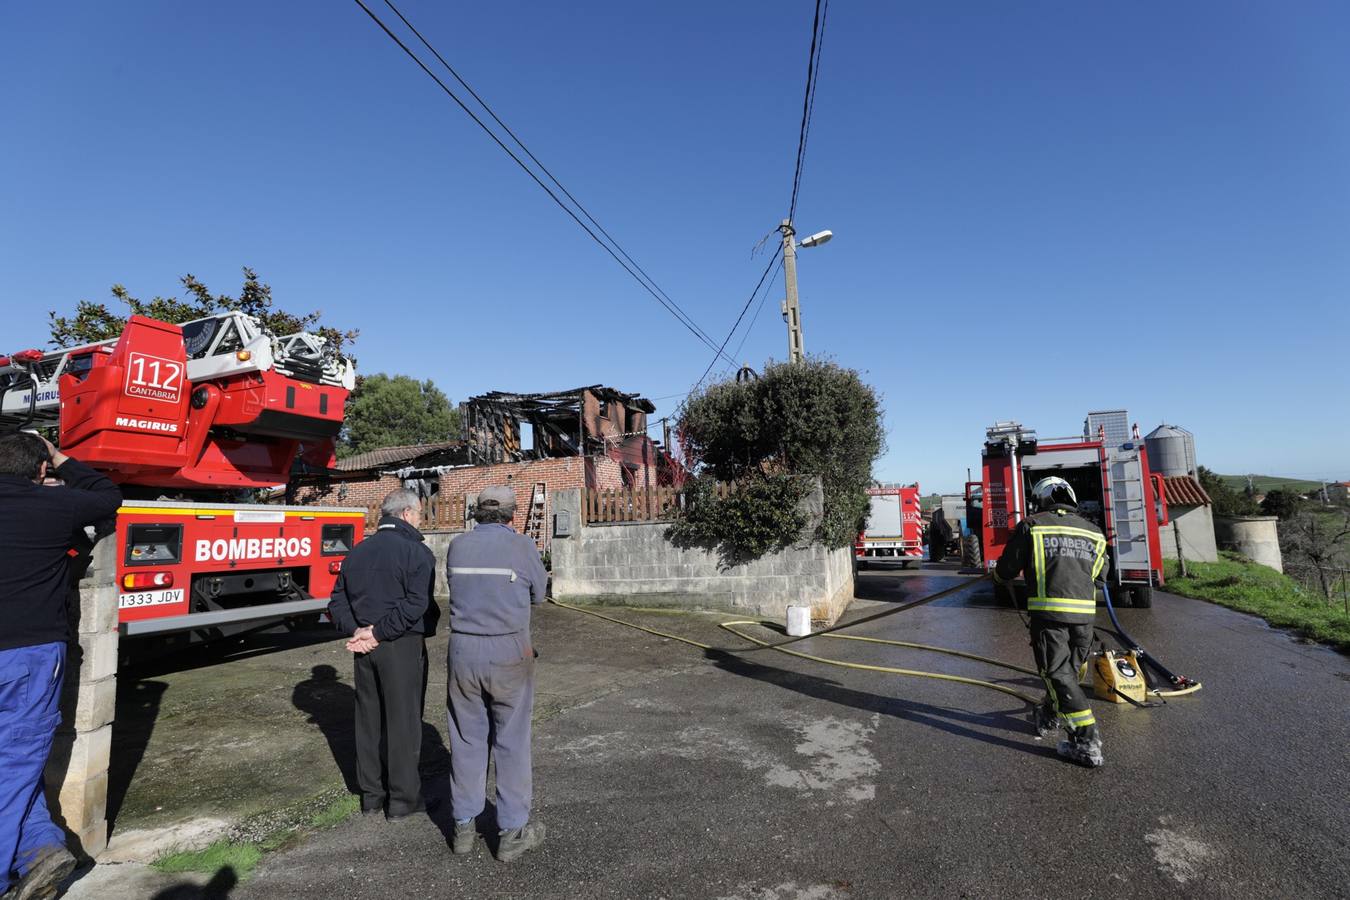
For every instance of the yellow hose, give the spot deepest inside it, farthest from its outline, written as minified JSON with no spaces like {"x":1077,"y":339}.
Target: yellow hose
{"x":913,"y":673}
{"x":1178,"y":693}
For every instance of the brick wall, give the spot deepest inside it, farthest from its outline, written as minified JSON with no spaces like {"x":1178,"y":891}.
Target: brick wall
{"x":360,"y":492}
{"x":606,"y":473}
{"x":559,"y":474}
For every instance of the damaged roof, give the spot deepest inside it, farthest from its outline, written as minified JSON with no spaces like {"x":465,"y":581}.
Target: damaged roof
{"x":555,"y":399}
{"x":388,"y":457}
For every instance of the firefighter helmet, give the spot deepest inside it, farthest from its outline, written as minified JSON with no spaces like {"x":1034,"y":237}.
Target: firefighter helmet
{"x":1052,"y":491}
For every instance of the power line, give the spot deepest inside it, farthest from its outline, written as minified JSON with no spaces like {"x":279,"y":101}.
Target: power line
{"x":812,"y":64}
{"x":684,"y":318}
{"x":727,"y":339}
{"x":543,"y":168}
{"x":755,"y":318}
{"x":815,"y":83}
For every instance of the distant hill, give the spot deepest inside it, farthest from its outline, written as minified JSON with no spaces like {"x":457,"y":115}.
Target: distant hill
{"x":1264,"y":484}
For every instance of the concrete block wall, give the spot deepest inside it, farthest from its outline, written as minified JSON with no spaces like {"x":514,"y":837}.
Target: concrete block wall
{"x":77,"y":770}
{"x":636,"y":564}
{"x":1196,"y":527}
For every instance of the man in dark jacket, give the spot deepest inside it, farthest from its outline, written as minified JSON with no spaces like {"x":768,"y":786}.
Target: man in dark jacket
{"x":383,"y":600}
{"x":1061,"y":554}
{"x":37,"y":525}
{"x":495,"y":577}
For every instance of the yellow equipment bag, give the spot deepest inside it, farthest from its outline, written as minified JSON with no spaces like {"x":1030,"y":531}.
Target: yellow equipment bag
{"x":1121,"y":672}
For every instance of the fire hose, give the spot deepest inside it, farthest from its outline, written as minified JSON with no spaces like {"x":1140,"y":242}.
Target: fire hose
{"x":832,"y":632}
{"x":1181,"y":684}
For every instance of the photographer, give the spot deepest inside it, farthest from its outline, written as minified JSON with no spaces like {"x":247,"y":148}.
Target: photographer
{"x":36,"y":524}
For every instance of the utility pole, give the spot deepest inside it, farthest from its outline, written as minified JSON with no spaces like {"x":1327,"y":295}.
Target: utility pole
{"x":792,"y":312}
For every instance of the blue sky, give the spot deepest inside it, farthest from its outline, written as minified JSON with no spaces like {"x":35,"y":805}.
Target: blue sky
{"x":1039,"y":208}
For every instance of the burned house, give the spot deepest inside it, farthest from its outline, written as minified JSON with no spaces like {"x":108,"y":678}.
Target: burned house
{"x":590,"y":437}
{"x":581,"y":422}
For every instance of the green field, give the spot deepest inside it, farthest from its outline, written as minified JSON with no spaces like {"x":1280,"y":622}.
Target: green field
{"x":1240,"y":584}
{"x":1264,"y":484}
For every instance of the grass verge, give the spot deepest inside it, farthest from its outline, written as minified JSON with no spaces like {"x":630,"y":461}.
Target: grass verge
{"x":243,"y":849}
{"x":1239,"y":583}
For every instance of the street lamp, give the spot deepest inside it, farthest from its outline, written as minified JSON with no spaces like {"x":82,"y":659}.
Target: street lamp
{"x":792,"y":312}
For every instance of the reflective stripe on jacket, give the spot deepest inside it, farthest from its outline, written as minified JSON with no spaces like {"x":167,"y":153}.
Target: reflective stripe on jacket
{"x":1061,"y":555}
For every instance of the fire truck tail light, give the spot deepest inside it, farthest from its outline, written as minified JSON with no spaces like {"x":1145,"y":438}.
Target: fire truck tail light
{"x":335,"y":567}
{"x":141,"y":580}
{"x":243,"y":355}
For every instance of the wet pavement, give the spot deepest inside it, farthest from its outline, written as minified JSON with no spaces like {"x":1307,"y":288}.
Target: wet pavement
{"x":661,"y":773}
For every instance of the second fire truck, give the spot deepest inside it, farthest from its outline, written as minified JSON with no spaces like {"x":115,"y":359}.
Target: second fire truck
{"x":1115,"y":490}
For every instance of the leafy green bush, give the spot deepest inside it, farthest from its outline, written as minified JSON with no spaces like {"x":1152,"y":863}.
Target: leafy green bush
{"x":1238,"y":583}
{"x":812,"y":418}
{"x":764,"y":514}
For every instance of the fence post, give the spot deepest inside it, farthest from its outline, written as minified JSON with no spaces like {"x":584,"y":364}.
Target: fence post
{"x":1181,"y":558}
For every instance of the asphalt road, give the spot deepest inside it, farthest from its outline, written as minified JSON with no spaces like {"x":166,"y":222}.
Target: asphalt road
{"x":772,"y":777}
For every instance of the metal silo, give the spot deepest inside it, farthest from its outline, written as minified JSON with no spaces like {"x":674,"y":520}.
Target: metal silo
{"x":1171,"y":450}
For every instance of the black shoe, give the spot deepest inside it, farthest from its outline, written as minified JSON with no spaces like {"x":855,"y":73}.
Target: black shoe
{"x":1045,"y":722}
{"x":511,"y":844}
{"x":49,"y":869}
{"x":1082,"y":750}
{"x":394,"y":815}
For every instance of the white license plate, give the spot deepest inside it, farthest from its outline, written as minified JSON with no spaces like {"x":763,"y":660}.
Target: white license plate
{"x":149,"y":598}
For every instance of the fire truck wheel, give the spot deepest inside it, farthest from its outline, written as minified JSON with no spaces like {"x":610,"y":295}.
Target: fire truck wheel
{"x":1141,"y":596}
{"x":971,"y":557}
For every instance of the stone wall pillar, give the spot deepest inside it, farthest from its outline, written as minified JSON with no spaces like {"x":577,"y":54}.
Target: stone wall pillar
{"x":77,"y":771}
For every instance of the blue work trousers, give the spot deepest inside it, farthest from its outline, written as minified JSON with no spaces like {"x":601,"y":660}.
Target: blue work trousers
{"x":491,"y":700}
{"x":30,"y":709}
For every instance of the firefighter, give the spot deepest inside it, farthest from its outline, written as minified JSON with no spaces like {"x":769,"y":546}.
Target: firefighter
{"x":1061,"y":554}
{"x":495,"y":576}
{"x":36,"y":524}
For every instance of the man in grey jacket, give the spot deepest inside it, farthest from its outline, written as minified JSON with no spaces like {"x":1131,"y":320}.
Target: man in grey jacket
{"x":495,"y":576}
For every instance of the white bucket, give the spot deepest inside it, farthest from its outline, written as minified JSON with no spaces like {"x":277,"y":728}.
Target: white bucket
{"x":798,"y":621}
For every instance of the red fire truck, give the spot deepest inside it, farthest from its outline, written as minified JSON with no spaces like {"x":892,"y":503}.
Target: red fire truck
{"x":1114,"y":487}
{"x":201,"y":412}
{"x":894,"y":530}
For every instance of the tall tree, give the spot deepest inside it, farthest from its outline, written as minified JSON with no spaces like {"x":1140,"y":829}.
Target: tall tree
{"x":809,"y":418}
{"x":1227,"y":501}
{"x":1282,"y":503}
{"x":396,"y":410}
{"x":96,"y":322}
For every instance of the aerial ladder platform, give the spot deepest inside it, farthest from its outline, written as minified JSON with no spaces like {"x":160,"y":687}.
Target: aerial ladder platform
{"x":217,"y":402}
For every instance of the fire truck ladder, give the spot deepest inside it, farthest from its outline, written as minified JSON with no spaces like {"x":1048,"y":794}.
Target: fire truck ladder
{"x":1128,"y":511}
{"x":28,"y":379}
{"x":536,"y":516}
{"x":217,"y":346}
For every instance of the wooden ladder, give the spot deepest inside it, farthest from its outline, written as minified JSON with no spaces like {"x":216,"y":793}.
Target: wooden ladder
{"x":536,"y":516}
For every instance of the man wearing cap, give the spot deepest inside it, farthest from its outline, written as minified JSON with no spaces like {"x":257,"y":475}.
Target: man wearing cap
{"x":495,"y":576}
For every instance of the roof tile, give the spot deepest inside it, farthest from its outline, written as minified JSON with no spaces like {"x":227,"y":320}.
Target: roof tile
{"x":1184,"y":490}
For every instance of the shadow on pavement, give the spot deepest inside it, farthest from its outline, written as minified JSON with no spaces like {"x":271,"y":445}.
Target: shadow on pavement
{"x":138,"y":705}
{"x":331,"y":705}
{"x":218,"y":888}
{"x":951,"y":721}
